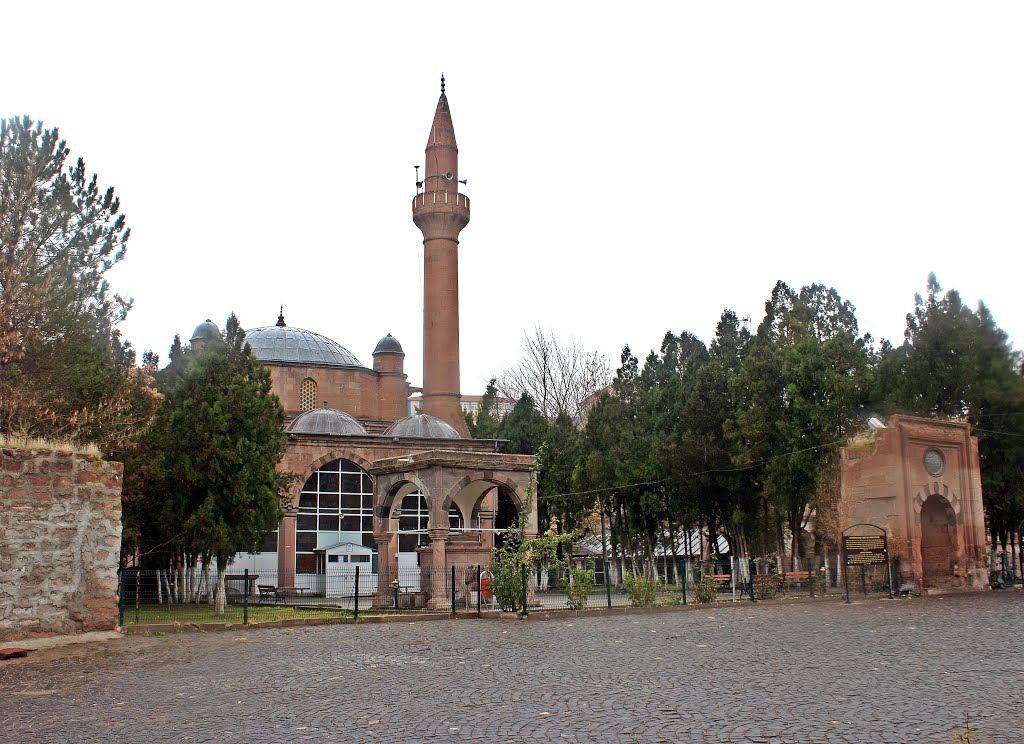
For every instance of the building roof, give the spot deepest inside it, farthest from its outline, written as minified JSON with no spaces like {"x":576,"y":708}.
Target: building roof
{"x":205,"y":331}
{"x":388,"y":345}
{"x":290,"y":345}
{"x":442,"y":131}
{"x":422,"y":425}
{"x":326,"y":421}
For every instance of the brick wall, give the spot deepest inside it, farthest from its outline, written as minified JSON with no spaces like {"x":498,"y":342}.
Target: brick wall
{"x":60,"y":535}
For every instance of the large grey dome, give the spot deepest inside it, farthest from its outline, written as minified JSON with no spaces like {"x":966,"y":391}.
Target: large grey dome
{"x":422,"y":425}
{"x":290,"y":345}
{"x":206,"y":331}
{"x":326,"y":421}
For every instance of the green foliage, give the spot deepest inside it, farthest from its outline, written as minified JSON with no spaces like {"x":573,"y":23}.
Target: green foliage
{"x":484,"y":424}
{"x":507,"y":583}
{"x":705,"y":591}
{"x":64,"y":371}
{"x":581,"y":582}
{"x":205,"y":481}
{"x":959,"y":363}
{"x":524,"y":427}
{"x":516,"y":553}
{"x":642,"y":591}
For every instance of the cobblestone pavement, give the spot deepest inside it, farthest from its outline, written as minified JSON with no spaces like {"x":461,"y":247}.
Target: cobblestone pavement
{"x":876,"y":671}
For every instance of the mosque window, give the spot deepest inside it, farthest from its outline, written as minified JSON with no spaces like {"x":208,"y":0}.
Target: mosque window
{"x":335,"y":506}
{"x":412,"y":524}
{"x":307,"y":395}
{"x":270,"y":543}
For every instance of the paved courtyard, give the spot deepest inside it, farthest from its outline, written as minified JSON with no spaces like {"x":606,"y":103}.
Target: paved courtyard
{"x":876,"y":671}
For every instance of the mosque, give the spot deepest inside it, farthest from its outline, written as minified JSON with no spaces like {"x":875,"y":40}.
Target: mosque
{"x":396,"y":492}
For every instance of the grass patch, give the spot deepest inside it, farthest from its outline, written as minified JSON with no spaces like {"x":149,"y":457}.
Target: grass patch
{"x":48,"y":445}
{"x":233,"y":614}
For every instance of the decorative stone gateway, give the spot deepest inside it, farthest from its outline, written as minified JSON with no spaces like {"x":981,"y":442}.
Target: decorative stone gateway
{"x":921,"y":480}
{"x":60,"y":538}
{"x":448,"y":479}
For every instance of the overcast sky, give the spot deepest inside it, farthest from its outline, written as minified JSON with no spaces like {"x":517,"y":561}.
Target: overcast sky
{"x":632,"y":168}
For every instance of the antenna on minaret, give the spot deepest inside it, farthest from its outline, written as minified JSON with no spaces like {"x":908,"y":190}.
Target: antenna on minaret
{"x":419,"y":183}
{"x":442,"y":83}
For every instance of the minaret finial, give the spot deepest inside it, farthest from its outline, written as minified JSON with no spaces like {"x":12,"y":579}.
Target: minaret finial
{"x":280,"y":318}
{"x":442,"y":83}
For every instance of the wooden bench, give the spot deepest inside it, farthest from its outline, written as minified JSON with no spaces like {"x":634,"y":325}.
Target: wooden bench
{"x":269,"y":591}
{"x":798,"y":577}
{"x":723,"y":579}
{"x":790,"y":579}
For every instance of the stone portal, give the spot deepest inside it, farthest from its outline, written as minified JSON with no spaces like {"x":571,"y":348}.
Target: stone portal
{"x":921,"y":480}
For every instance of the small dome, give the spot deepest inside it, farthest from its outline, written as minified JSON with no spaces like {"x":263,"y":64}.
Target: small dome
{"x":206,"y":331}
{"x":290,"y":345}
{"x":422,"y":425}
{"x":388,"y":345}
{"x":326,"y":421}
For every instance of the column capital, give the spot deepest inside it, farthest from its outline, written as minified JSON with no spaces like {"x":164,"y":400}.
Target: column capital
{"x":438,"y":533}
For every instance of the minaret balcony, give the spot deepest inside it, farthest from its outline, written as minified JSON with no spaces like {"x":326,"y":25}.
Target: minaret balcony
{"x":443,"y":213}
{"x":430,"y":199}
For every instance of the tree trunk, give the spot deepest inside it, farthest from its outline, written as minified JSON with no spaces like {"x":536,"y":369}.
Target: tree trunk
{"x":675,"y":555}
{"x":221,"y":573}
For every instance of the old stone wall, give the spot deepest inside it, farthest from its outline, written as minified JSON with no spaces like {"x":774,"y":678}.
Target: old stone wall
{"x":60,"y":536}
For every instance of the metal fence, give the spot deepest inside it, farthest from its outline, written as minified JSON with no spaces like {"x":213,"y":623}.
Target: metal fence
{"x":154,"y":597}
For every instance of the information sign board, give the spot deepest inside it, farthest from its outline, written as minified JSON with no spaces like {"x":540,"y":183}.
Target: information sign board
{"x":864,"y":550}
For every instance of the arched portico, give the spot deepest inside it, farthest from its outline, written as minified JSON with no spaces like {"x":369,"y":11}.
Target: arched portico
{"x":449,"y":480}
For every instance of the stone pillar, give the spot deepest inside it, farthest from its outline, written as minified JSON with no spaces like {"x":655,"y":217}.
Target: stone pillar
{"x":387,"y":570}
{"x":440,"y":594}
{"x":286,"y":552}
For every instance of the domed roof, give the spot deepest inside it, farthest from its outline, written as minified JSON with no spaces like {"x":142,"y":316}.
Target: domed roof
{"x":291,"y":345}
{"x":422,"y":425}
{"x":205,"y":331}
{"x":388,"y":345}
{"x":326,"y":421}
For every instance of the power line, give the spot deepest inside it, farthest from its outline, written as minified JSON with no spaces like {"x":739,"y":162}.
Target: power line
{"x":1001,"y":433}
{"x":698,"y":472}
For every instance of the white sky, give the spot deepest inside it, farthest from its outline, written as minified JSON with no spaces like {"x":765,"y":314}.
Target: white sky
{"x":631,"y":171}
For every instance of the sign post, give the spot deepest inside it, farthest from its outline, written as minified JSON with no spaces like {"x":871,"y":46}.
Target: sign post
{"x":864,"y":551}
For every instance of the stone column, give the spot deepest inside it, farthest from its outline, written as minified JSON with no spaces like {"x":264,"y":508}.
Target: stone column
{"x":440,"y":594}
{"x":387,"y":570}
{"x":286,"y":550}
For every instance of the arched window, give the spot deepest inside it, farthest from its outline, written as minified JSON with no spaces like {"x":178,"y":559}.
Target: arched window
{"x":336,"y":506}
{"x":307,"y":395}
{"x":412,"y":525}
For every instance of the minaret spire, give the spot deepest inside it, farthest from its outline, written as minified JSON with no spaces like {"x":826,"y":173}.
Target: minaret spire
{"x":440,"y":212}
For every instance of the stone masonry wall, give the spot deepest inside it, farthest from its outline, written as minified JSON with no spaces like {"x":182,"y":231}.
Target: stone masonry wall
{"x":60,"y":537}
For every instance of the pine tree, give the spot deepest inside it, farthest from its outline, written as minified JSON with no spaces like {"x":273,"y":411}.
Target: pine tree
{"x":59,"y":235}
{"x":209,"y":462}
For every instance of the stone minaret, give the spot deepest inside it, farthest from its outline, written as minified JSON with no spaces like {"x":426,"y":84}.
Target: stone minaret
{"x":440,"y":212}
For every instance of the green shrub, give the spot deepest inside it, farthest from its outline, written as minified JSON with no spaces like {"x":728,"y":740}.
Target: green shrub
{"x":642,"y":591}
{"x":767,"y":586}
{"x":507,"y":585}
{"x":673,"y":600}
{"x":581,"y":581}
{"x":705,"y":591}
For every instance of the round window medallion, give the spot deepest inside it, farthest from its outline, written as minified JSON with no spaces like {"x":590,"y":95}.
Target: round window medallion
{"x":934,"y":462}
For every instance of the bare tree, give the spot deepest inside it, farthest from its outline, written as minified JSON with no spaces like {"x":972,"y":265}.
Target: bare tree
{"x":558,"y":375}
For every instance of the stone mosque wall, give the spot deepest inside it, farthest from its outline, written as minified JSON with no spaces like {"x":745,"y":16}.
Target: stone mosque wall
{"x":60,"y":538}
